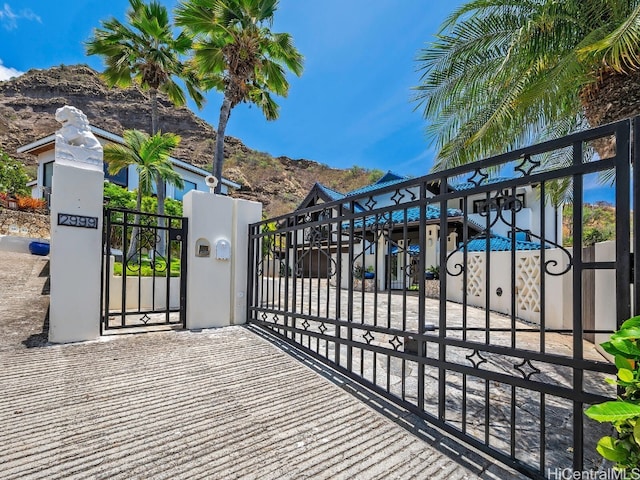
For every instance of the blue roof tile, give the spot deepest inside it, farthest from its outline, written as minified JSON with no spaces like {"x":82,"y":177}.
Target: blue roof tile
{"x":411,"y":214}
{"x":390,"y":176}
{"x":373,"y":187}
{"x":411,"y":250}
{"x":332,"y":194}
{"x":486,"y":181}
{"x":498,"y":243}
{"x":335,"y":195}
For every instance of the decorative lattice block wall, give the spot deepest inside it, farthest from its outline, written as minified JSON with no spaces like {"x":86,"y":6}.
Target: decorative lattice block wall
{"x":528,"y":283}
{"x":475,"y":275}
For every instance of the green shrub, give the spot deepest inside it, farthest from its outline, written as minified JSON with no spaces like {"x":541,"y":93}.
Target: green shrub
{"x":375,"y":175}
{"x":358,"y":272}
{"x":623,"y":413}
{"x":435,"y":270}
{"x":146,"y":269}
{"x":120,"y":197}
{"x":13,"y":176}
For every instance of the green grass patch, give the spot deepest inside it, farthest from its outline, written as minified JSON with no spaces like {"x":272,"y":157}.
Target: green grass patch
{"x":146,"y":268}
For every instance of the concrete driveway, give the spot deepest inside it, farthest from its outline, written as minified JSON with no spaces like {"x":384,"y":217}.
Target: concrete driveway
{"x":225,"y":403}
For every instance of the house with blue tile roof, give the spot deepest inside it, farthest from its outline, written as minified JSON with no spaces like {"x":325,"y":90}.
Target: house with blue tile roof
{"x":193,"y":177}
{"x":482,"y":218}
{"x":497,"y":209}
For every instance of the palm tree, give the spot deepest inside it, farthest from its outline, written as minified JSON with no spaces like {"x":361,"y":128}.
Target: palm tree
{"x":236,"y":53}
{"x":146,"y":52}
{"x":151,"y":157}
{"x":503,"y":73}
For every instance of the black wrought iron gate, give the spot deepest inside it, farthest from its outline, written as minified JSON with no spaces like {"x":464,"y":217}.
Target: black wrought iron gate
{"x":144,"y":270}
{"x":494,"y":350}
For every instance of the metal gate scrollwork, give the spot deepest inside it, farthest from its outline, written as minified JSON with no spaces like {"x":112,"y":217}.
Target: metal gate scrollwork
{"x":144,"y":270}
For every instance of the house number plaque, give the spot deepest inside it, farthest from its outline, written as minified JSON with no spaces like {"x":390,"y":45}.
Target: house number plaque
{"x":79,"y":221}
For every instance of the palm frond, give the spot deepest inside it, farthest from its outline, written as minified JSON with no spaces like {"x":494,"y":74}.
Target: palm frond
{"x":273,"y":75}
{"x":232,"y":38}
{"x":619,"y":48}
{"x":144,"y":51}
{"x":149,"y":154}
{"x":500,"y":70}
{"x":263,"y":100}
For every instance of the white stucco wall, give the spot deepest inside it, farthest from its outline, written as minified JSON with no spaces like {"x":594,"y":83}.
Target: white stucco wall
{"x":524,"y":220}
{"x":390,"y":198}
{"x":529,"y":218}
{"x":527,"y":285}
{"x":144,"y":286}
{"x":37,"y":190}
{"x":208,"y":279}
{"x":606,"y":291}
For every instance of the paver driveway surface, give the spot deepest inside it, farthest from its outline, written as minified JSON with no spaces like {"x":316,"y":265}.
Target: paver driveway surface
{"x":223,"y":403}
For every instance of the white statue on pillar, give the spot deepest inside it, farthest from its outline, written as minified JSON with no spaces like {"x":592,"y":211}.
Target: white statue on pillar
{"x":75,"y":142}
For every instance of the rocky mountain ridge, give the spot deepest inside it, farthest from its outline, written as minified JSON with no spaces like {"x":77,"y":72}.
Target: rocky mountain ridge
{"x":28,"y":104}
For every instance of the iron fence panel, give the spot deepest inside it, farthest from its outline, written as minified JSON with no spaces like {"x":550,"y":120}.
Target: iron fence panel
{"x":144,"y":270}
{"x":493,"y":350}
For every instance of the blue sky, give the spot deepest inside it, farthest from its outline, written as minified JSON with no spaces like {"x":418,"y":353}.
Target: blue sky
{"x":351,"y":106}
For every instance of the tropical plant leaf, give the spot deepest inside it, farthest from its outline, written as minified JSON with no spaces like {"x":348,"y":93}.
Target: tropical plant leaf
{"x":613,"y":411}
{"x":630,"y":333}
{"x":623,"y":362}
{"x":625,"y":375}
{"x":611,"y":349}
{"x":632,"y":322}
{"x":145,"y":51}
{"x":625,"y":346}
{"x":608,"y":448}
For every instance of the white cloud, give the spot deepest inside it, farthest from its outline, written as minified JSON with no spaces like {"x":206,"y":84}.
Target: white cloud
{"x":7,"y":72}
{"x":9,"y":18}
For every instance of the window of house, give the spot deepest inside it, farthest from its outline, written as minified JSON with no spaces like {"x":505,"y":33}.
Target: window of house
{"x":121,"y":178}
{"x":188,"y":186}
{"x":524,"y":236}
{"x":480,"y":206}
{"x":369,"y":247}
{"x":47,"y":170}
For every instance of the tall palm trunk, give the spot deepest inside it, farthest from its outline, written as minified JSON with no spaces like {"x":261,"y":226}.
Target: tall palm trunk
{"x":160,"y":183}
{"x":153,"y":96}
{"x":162,"y":243}
{"x":133,"y":244}
{"x":218,"y":160}
{"x":615,"y":96}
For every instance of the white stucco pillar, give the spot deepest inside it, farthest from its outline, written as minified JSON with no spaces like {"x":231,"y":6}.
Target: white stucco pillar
{"x":245,"y":213}
{"x":217,"y":258}
{"x":76,"y":231}
{"x":605,"y":292}
{"x":431,"y":245}
{"x":452,"y":241}
{"x":381,"y":273}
